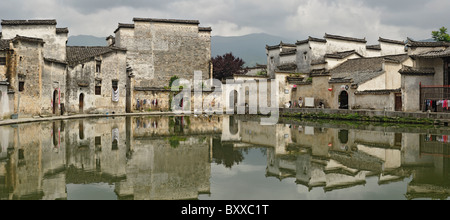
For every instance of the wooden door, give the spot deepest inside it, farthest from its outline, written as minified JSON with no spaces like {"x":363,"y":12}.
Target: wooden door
{"x":398,"y":102}
{"x":81,"y":104}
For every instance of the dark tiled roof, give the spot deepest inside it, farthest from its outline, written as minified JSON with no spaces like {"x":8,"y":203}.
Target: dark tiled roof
{"x":55,"y":61}
{"x":174,"y":21}
{"x":319,"y":72}
{"x":412,"y":71}
{"x":311,"y":39}
{"x":208,"y":29}
{"x":29,"y":22}
{"x":4,"y":44}
{"x":78,"y":55}
{"x":391,"y":41}
{"x":363,"y":69}
{"x":373,"y":47}
{"x":151,"y":89}
{"x":340,"y":80}
{"x":121,"y":25}
{"x":344,"y":38}
{"x":29,"y":39}
{"x":434,"y":54}
{"x":288,"y":67}
{"x":295,"y":80}
{"x":319,"y":61}
{"x":288,"y":52}
{"x":342,"y":55}
{"x":378,"y":92}
{"x":412,"y":43}
{"x":281,"y":45}
{"x":62,"y":30}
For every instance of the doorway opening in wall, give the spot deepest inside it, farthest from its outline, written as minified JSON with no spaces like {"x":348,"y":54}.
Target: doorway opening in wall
{"x":81,"y":103}
{"x":343,"y":136}
{"x":398,"y":102}
{"x":343,"y":100}
{"x":55,"y":101}
{"x":234,"y":100}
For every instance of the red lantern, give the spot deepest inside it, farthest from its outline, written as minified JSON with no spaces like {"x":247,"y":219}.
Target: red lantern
{"x":330,"y":89}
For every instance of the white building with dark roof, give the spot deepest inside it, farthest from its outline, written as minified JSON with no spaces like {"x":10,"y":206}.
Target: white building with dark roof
{"x":314,"y":60}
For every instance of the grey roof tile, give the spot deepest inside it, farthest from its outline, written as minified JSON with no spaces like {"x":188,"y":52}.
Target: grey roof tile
{"x":77,"y":55}
{"x":29,"y":22}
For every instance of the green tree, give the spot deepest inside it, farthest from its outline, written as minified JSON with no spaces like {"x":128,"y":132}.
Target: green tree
{"x":441,"y":35}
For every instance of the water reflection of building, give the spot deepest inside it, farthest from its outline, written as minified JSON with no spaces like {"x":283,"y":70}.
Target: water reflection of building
{"x":37,"y":161}
{"x":170,"y":157}
{"x":333,"y":157}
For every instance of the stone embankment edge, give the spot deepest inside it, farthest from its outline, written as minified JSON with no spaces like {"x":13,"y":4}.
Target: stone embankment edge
{"x":331,"y":114}
{"x":370,"y":116}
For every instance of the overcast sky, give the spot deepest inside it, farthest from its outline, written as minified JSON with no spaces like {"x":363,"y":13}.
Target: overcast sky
{"x":293,"y":19}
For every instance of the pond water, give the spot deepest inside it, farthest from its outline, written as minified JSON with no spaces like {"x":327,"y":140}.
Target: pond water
{"x":221,"y":158}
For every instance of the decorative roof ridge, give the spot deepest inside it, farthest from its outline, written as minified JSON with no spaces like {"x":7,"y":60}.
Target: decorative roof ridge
{"x":123,"y":25}
{"x":378,"y":92}
{"x":391,"y":41}
{"x":62,"y":30}
{"x":342,"y":54}
{"x":207,"y":29}
{"x":373,"y":47}
{"x":282,"y":44}
{"x":414,"y":71}
{"x":30,"y":39}
{"x":337,"y":37}
{"x":288,"y":52}
{"x":412,"y":43}
{"x":314,"y":39}
{"x":51,"y":60}
{"x":29,"y":22}
{"x":176,"y":21}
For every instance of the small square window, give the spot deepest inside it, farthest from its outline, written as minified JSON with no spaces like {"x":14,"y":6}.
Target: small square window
{"x":98,"y":141}
{"x":98,"y":68}
{"x":2,"y":61}
{"x":98,"y":87}
{"x":115,"y":85}
{"x":98,"y":90}
{"x":21,"y":86}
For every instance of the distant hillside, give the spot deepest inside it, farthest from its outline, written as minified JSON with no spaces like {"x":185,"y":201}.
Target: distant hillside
{"x":251,"y":48}
{"x":86,"y":40}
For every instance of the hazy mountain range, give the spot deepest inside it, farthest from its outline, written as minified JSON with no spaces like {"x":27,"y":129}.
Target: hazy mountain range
{"x":251,"y":48}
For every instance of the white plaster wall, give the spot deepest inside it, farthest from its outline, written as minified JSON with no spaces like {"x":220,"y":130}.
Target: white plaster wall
{"x":437,"y":64}
{"x":303,"y":65}
{"x":332,"y":63}
{"x":55,"y":45}
{"x":272,"y":63}
{"x":334,"y":46}
{"x":411,"y":91}
{"x":318,"y":49}
{"x":124,"y":38}
{"x":5,"y":108}
{"x":374,"y":102}
{"x":373,"y":53}
{"x":283,"y":86}
{"x":391,"y":49}
{"x":288,"y":59}
{"x":393,"y":77}
{"x":377,"y":83}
